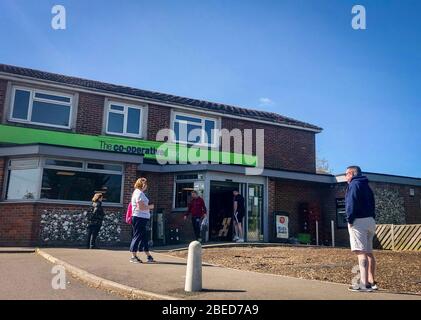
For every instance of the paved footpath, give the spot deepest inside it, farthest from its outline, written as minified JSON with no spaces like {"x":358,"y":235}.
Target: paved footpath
{"x":167,"y":276}
{"x":27,"y":276}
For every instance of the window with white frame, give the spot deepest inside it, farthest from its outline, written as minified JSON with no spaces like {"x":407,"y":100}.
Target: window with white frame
{"x":123,"y":119}
{"x":41,"y":107}
{"x":23,"y":179}
{"x":193,"y":129}
{"x":63,"y":179}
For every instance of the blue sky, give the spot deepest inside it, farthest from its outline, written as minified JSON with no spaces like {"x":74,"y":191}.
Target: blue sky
{"x":298,"y":58}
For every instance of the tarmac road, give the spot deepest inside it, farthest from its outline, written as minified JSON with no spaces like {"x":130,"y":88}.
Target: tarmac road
{"x":27,"y":276}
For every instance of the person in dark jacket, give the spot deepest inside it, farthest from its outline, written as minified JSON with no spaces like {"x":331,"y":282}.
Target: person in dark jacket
{"x":95,"y":218}
{"x":197,"y":209}
{"x":360,"y":213}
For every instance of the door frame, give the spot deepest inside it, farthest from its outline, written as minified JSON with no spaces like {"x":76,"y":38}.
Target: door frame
{"x":243,"y":181}
{"x":262,"y":213}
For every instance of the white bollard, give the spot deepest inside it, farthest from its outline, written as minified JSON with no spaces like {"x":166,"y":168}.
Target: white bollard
{"x":332,"y":223}
{"x":317,"y":233}
{"x":194,"y":268}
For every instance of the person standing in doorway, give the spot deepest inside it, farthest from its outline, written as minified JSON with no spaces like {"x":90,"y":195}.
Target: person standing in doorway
{"x":95,"y":218}
{"x":140,"y":218}
{"x":239,"y":212}
{"x":360,"y":212}
{"x":197,"y":209}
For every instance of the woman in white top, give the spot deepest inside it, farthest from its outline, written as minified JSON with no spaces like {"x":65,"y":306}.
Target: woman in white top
{"x":140,"y":218}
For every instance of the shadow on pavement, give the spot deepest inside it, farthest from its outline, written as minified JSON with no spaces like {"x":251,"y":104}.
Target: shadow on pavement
{"x":177,"y":263}
{"x":221,"y":290}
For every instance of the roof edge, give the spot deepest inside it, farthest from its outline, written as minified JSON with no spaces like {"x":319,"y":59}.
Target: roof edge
{"x":23,"y":72}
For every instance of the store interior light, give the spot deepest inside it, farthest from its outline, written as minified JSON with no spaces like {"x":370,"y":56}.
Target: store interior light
{"x":65,"y":173}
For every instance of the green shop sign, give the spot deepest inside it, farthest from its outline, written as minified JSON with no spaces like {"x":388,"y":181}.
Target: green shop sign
{"x":156,"y":150}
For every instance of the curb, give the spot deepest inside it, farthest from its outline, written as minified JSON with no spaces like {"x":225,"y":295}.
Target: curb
{"x":16,"y":250}
{"x":248,"y":244}
{"x":101,"y":283}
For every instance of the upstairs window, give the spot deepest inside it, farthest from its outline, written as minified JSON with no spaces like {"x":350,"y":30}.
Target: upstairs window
{"x":41,"y":107}
{"x":192,"y":129}
{"x":123,"y":119}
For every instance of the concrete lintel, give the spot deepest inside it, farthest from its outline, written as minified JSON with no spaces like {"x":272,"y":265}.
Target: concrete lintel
{"x":56,"y":151}
{"x":238,"y":170}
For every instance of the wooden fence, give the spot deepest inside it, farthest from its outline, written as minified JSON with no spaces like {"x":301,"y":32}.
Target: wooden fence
{"x":398,"y":237}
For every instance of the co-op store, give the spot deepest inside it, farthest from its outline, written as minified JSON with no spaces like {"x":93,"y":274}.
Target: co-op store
{"x":63,"y":138}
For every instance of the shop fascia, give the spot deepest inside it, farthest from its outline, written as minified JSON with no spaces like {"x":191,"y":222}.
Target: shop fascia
{"x":162,"y":152}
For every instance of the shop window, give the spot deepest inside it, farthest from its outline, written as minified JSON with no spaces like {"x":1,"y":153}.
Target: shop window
{"x":60,"y":179}
{"x":79,"y":185}
{"x":63,"y":163}
{"x":23,"y":179}
{"x":124,"y":119}
{"x":41,"y":107}
{"x":194,"y":130}
{"x":108,"y":167}
{"x":182,"y":194}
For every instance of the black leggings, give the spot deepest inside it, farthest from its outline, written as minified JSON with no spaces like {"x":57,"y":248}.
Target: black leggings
{"x":93,"y":231}
{"x":140,"y":238}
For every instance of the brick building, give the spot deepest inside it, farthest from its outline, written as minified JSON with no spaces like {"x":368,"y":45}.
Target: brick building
{"x":63,"y":138}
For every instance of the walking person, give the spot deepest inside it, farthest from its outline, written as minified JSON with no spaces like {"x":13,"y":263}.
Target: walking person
{"x":140,"y":218}
{"x":95,"y":217}
{"x":360,"y":212}
{"x":239,"y":212}
{"x":197,"y":209}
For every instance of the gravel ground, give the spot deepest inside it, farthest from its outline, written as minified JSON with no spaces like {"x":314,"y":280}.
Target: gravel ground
{"x":396,"y":271}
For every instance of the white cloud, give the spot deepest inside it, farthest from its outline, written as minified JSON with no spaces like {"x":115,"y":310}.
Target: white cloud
{"x":265,"y":102}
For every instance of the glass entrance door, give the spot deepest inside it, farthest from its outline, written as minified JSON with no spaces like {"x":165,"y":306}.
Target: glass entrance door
{"x":254,"y":212}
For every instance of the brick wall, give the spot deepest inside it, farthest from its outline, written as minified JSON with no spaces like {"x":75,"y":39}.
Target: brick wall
{"x":285,"y":148}
{"x":130,"y":177}
{"x":412,"y":204}
{"x":2,"y":174}
{"x":90,"y":113}
{"x":271,"y":208}
{"x":287,"y":196}
{"x":17,"y":227}
{"x":21,"y":223}
{"x":158,"y":118}
{"x":3,"y":88}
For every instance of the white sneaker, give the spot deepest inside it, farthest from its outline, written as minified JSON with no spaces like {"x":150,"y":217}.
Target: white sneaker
{"x":240,"y":240}
{"x":360,"y":288}
{"x":236,"y":238}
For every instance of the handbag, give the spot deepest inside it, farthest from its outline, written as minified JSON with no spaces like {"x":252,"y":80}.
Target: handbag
{"x":129,"y":213}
